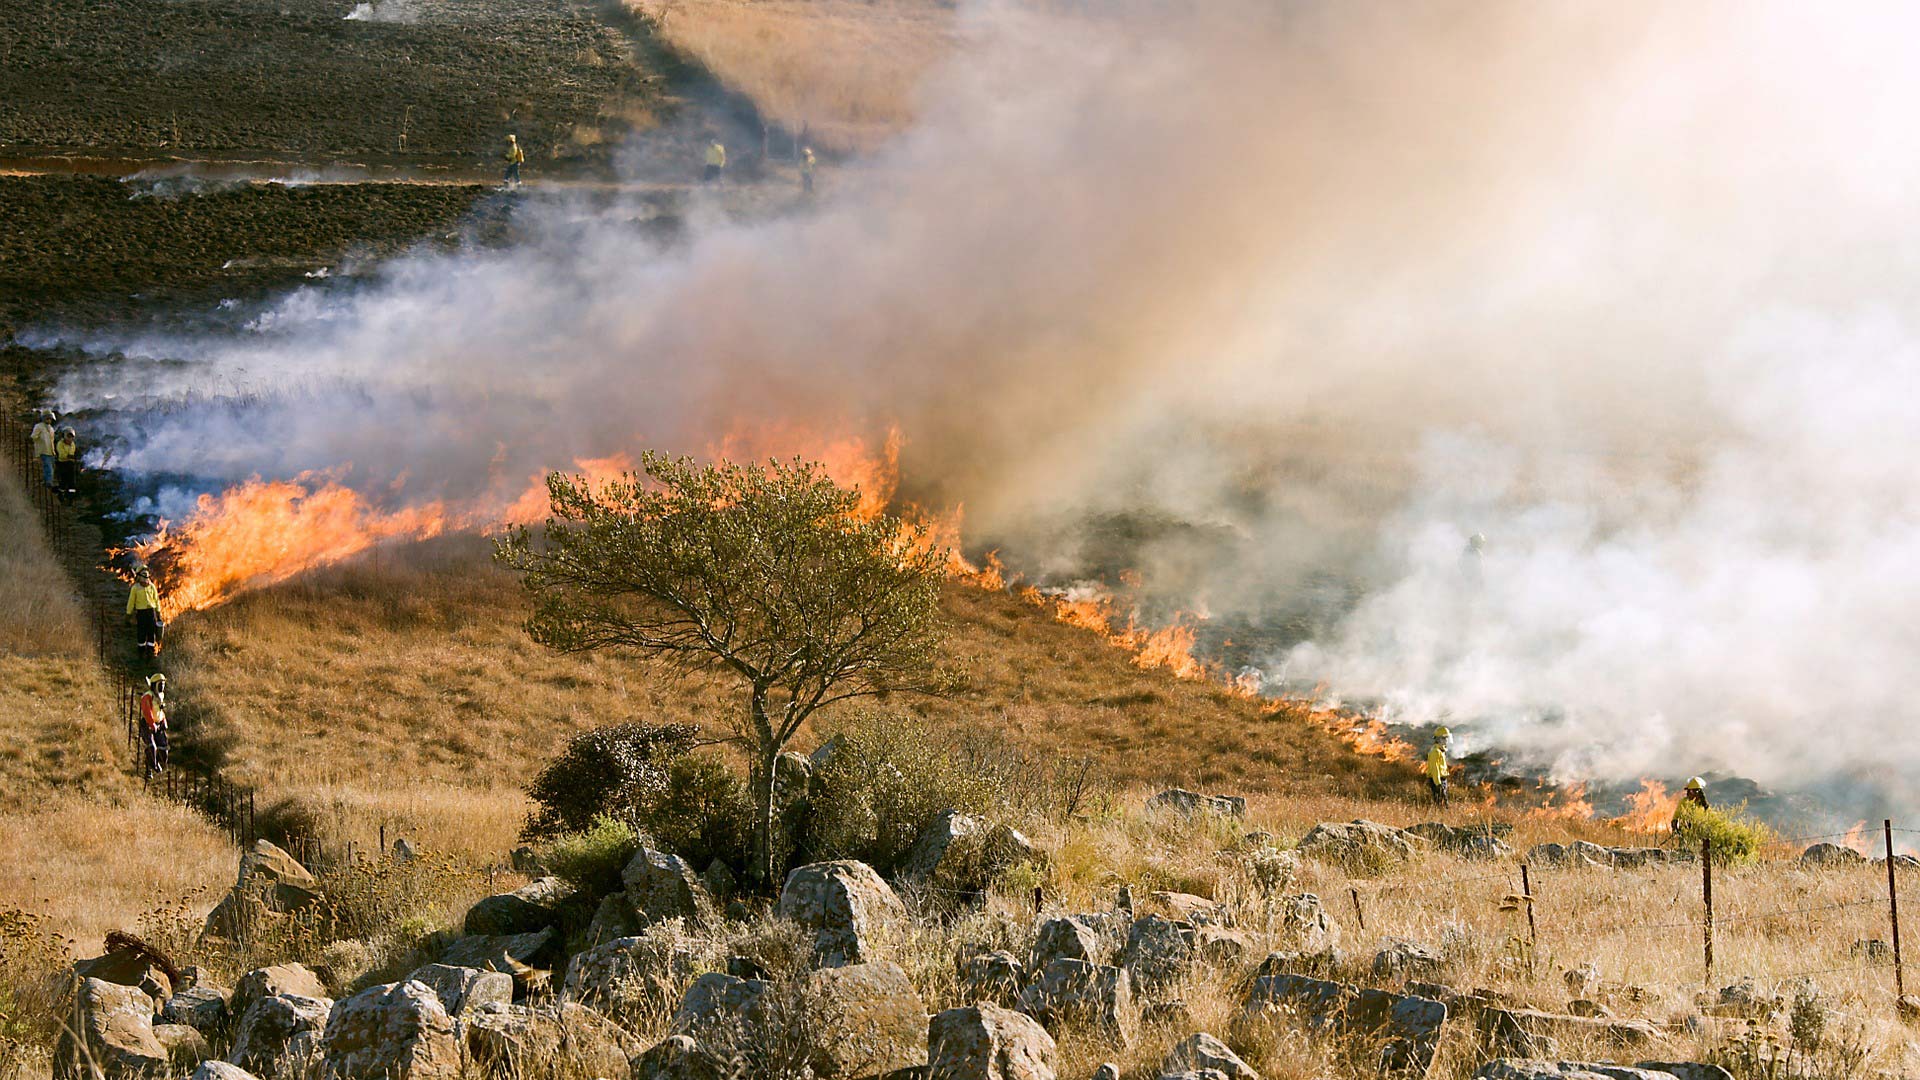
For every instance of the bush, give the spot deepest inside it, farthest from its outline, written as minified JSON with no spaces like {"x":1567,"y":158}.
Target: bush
{"x":884,"y":779}
{"x":607,"y":772}
{"x":591,"y":860}
{"x":704,"y":813}
{"x":1733,"y":838}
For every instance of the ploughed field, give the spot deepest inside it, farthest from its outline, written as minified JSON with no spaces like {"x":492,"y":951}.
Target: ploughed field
{"x":420,"y":79}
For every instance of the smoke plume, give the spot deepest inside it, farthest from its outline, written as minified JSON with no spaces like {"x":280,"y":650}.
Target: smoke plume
{"x":1281,"y":295}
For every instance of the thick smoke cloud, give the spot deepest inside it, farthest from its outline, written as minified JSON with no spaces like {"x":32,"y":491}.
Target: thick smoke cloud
{"x":1330,"y":286}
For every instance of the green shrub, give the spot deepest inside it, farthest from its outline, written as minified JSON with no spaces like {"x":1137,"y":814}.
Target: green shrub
{"x":607,"y":772}
{"x":883,"y":780}
{"x":703,"y":813}
{"x":1733,"y":838}
{"x":591,"y":860}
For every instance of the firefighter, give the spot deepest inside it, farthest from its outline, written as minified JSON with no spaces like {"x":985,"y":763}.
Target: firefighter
{"x":806,"y":170}
{"x":516,"y":157}
{"x":1695,"y":793}
{"x":153,"y":723}
{"x":43,"y":437}
{"x":716,"y":162}
{"x":1435,"y":770}
{"x":143,"y":603}
{"x":66,"y":463}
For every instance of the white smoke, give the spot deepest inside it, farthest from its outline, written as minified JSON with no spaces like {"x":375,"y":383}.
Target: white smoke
{"x":385,"y":11}
{"x":1625,"y":289}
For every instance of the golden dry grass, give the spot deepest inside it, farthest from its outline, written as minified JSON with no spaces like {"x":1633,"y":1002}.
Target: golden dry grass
{"x":83,"y":847}
{"x":846,"y":71}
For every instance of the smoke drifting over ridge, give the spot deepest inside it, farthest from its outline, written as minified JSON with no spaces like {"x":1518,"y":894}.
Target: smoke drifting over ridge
{"x":1623,"y":289}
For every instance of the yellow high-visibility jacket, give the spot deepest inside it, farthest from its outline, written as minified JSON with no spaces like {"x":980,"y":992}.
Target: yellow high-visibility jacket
{"x":806,"y":163}
{"x":515,"y":155}
{"x":1436,"y":769}
{"x":716,"y":155}
{"x":43,"y":439}
{"x":65,"y":449}
{"x":143,"y":598}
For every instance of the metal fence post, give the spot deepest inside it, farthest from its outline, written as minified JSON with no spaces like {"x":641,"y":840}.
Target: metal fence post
{"x":1893,"y":910}
{"x":1706,"y":895}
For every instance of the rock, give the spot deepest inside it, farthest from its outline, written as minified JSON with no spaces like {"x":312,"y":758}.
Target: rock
{"x":1065,"y":938}
{"x":719,"y":881}
{"x":662,"y":886}
{"x":1188,"y":908}
{"x":203,"y":1008}
{"x":1182,"y":801}
{"x":266,"y":982}
{"x":398,"y":1031}
{"x":1407,"y":1026}
{"x":280,"y":1035}
{"x":614,"y":918}
{"x":629,"y":973}
{"x":1077,"y":991}
{"x":1202,"y":1051}
{"x":130,"y":966}
{"x":404,"y":850}
{"x":1291,"y":963}
{"x":1516,"y":1069}
{"x":1406,"y":959}
{"x":676,"y":1057}
{"x":1519,"y":1032}
{"x":1481,"y":842}
{"x":1355,"y":841}
{"x":525,"y":860}
{"x":186,"y":1046}
{"x":526,"y":910}
{"x":526,"y":957}
{"x":1157,"y":956}
{"x":1305,"y":926}
{"x":1582,"y":981}
{"x":994,"y":977}
{"x":714,"y":997}
{"x":1588,"y":1008}
{"x":1222,"y":947}
{"x":944,"y":840}
{"x":869,"y":1020}
{"x":1830,"y":856}
{"x":841,"y":905}
{"x":267,"y":864}
{"x":220,"y":1070}
{"x":1107,"y":1071}
{"x":1687,"y":1070}
{"x":270,"y":882}
{"x":462,"y":990}
{"x":570,"y":1040}
{"x":986,"y":1042}
{"x":1578,"y":854}
{"x":111,"y":1029}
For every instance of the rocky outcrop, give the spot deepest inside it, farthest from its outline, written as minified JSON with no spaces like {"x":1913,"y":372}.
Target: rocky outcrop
{"x":992,"y":977}
{"x":1831,"y":856}
{"x":186,"y":1046}
{"x":1356,"y":841}
{"x":1074,"y":991}
{"x":526,"y":957}
{"x":462,"y":990}
{"x":1582,"y":853}
{"x":1157,"y":955}
{"x":986,"y":1042}
{"x":398,"y":1031}
{"x":1517,"y":1069}
{"x":110,"y":1029}
{"x":280,"y":1035}
{"x":662,"y":886}
{"x":678,"y":1057}
{"x":526,"y":910}
{"x":842,"y":906}
{"x":1202,"y":1053}
{"x":1407,"y":1026}
{"x":203,"y":1008}
{"x":1530,"y":1033}
{"x":951,"y":838}
{"x":1189,"y":803}
{"x":1305,"y":926}
{"x":220,"y":1070}
{"x":567,"y":1040}
{"x":135,"y":966}
{"x":629,"y":973}
{"x":275,"y":981}
{"x":1066,"y":937}
{"x":1483,"y":842}
{"x":867,"y":1020}
{"x":270,"y":883}
{"x":715,"y":998}
{"x":1407,"y":959}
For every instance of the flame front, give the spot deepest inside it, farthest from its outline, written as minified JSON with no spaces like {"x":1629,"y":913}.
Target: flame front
{"x":1650,"y":809}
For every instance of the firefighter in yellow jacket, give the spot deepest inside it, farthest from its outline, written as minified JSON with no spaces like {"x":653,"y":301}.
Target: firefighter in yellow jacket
{"x":1435,"y":769}
{"x":143,"y":603}
{"x":153,"y":723}
{"x":806,"y":170}
{"x":43,"y":437}
{"x":716,"y":162}
{"x":66,"y":464}
{"x":516,"y":157}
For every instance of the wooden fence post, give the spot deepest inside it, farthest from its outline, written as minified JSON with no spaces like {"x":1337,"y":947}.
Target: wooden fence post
{"x":1893,"y":909}
{"x":1533,"y":931}
{"x":1706,"y":896}
{"x":1357,"y":912}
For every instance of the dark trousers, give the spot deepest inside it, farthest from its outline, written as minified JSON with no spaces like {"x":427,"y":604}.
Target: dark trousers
{"x":66,"y":475}
{"x":146,"y":628}
{"x":806,"y":182}
{"x":1437,"y":789}
{"x":710,"y":174}
{"x":513,"y":172}
{"x":46,"y":468}
{"x":156,"y":741}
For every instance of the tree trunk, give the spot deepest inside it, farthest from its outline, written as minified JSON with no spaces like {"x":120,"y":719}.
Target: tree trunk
{"x":763,"y":784}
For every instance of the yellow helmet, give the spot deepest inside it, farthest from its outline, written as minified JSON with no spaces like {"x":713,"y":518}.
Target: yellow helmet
{"x":157,"y":681}
{"x":1696,"y":784}
{"x":1442,"y":733}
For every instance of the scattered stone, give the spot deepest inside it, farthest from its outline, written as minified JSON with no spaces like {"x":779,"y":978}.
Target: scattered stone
{"x":676,"y":1057}
{"x":1406,"y":959}
{"x":995,"y":977}
{"x":1077,"y":991}
{"x":944,"y":840}
{"x":398,"y":1031}
{"x":111,"y":1030}
{"x":266,"y":982}
{"x":526,"y":957}
{"x":220,"y":1070}
{"x":1831,"y":856}
{"x":614,"y":918}
{"x":1588,"y":1008}
{"x":714,"y":996}
{"x":986,"y":1042}
{"x":1222,"y":947}
{"x":1582,"y":981}
{"x":1156,"y":955}
{"x":842,"y":904}
{"x":462,"y":990}
{"x":526,"y":910}
{"x":1201,"y":1052}
{"x":1066,"y":937}
{"x":130,"y":966}
{"x":1107,"y":1071}
{"x":270,"y":882}
{"x":630,"y":972}
{"x":1188,"y":908}
{"x":280,"y":1035}
{"x":404,"y":850}
{"x":662,"y":886}
{"x":1305,"y":926}
{"x":870,"y":1020}
{"x":1518,"y":1069}
{"x":1520,"y":1032}
{"x":570,"y":1040}
{"x":203,"y":1008}
{"x":186,"y":1046}
{"x":1360,"y":840}
{"x":1182,"y":801}
{"x":1687,"y":1070}
{"x":1408,"y":1026}
{"x":1481,"y":842}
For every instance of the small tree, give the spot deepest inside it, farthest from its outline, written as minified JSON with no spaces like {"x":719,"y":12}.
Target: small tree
{"x":769,"y":573}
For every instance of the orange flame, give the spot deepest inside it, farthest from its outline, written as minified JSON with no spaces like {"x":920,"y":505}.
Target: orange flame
{"x":1856,"y":838}
{"x":1564,"y":804}
{"x":1648,"y":810}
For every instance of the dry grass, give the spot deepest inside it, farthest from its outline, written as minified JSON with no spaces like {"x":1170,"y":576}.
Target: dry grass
{"x":847,"y":71}
{"x":83,"y":847}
